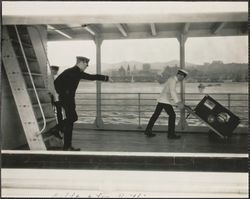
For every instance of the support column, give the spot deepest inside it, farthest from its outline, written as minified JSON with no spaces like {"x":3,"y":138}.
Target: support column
{"x":182,"y":39}
{"x":98,"y":120}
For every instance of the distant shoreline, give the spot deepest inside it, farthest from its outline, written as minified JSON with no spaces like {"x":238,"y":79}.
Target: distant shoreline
{"x":155,"y":87}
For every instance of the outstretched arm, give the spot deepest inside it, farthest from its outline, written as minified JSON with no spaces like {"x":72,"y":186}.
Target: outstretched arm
{"x":94,"y":77}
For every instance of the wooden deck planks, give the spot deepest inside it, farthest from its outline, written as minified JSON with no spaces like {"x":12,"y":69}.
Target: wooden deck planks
{"x":92,"y":140}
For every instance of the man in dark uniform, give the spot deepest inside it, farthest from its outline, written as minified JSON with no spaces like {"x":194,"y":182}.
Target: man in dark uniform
{"x":66,"y":84}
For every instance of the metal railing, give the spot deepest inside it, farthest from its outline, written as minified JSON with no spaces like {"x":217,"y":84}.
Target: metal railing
{"x":32,"y":82}
{"x":137,"y":108}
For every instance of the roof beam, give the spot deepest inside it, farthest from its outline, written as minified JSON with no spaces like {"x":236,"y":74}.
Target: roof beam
{"x":122,"y":18}
{"x":218,"y":27}
{"x":121,"y":28}
{"x":186,"y":28}
{"x":146,"y":35}
{"x":153,"y":29}
{"x":63,"y":33}
{"x":140,"y":35}
{"x":89,"y":29}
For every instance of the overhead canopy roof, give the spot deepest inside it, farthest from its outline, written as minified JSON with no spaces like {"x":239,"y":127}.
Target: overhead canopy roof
{"x":129,"y":21}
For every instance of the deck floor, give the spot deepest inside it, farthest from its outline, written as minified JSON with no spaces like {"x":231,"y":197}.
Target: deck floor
{"x":128,"y":141}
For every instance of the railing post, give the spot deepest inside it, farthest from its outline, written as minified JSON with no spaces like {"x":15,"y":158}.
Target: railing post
{"x":182,"y":39}
{"x":98,"y":120}
{"x":139,"y":110}
{"x":229,"y":100}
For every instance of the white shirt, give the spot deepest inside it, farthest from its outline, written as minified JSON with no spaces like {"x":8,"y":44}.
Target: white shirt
{"x":51,"y":86}
{"x":168,"y":94}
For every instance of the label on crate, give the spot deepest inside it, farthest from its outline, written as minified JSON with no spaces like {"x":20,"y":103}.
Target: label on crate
{"x":209,"y":104}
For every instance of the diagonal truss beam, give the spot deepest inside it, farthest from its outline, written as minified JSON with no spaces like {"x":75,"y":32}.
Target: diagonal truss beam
{"x":218,"y":27}
{"x":61,"y":32}
{"x":89,"y":29}
{"x":122,"y":29}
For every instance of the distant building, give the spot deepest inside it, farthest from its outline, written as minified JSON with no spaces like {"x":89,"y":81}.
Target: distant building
{"x":122,"y":71}
{"x":128,"y":70}
{"x":114,"y":73}
{"x":134,"y":70}
{"x":217,"y":62}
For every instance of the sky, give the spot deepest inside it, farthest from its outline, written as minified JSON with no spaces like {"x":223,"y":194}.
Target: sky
{"x":197,"y":51}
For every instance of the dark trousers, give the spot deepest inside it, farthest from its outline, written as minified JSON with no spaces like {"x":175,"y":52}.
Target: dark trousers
{"x":71,"y":116}
{"x":171,"y":119}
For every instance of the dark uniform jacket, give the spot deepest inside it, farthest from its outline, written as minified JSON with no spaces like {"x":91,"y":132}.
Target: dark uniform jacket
{"x":67,"y":82}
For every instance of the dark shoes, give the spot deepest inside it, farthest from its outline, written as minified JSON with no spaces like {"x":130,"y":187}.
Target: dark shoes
{"x":71,"y":149}
{"x":149,"y":133}
{"x":174,"y":136}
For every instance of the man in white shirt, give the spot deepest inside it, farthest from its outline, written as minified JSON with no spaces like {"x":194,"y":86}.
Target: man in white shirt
{"x":168,"y":97}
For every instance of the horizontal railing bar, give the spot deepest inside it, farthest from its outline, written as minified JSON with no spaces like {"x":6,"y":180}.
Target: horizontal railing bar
{"x":131,"y":110}
{"x":112,"y":111}
{"x":221,"y":100}
{"x":237,"y":100}
{"x":103,"y":93}
{"x":185,"y":98}
{"x":125,"y":111}
{"x":238,"y":106}
{"x":142,"y":105}
{"x":86,"y":116}
{"x":224,"y":99}
{"x":137,"y":110}
{"x":120,"y":116}
{"x":153,"y":105}
{"x":85,"y":104}
{"x":190,"y":119}
{"x":113,"y":99}
{"x":121,"y":104}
